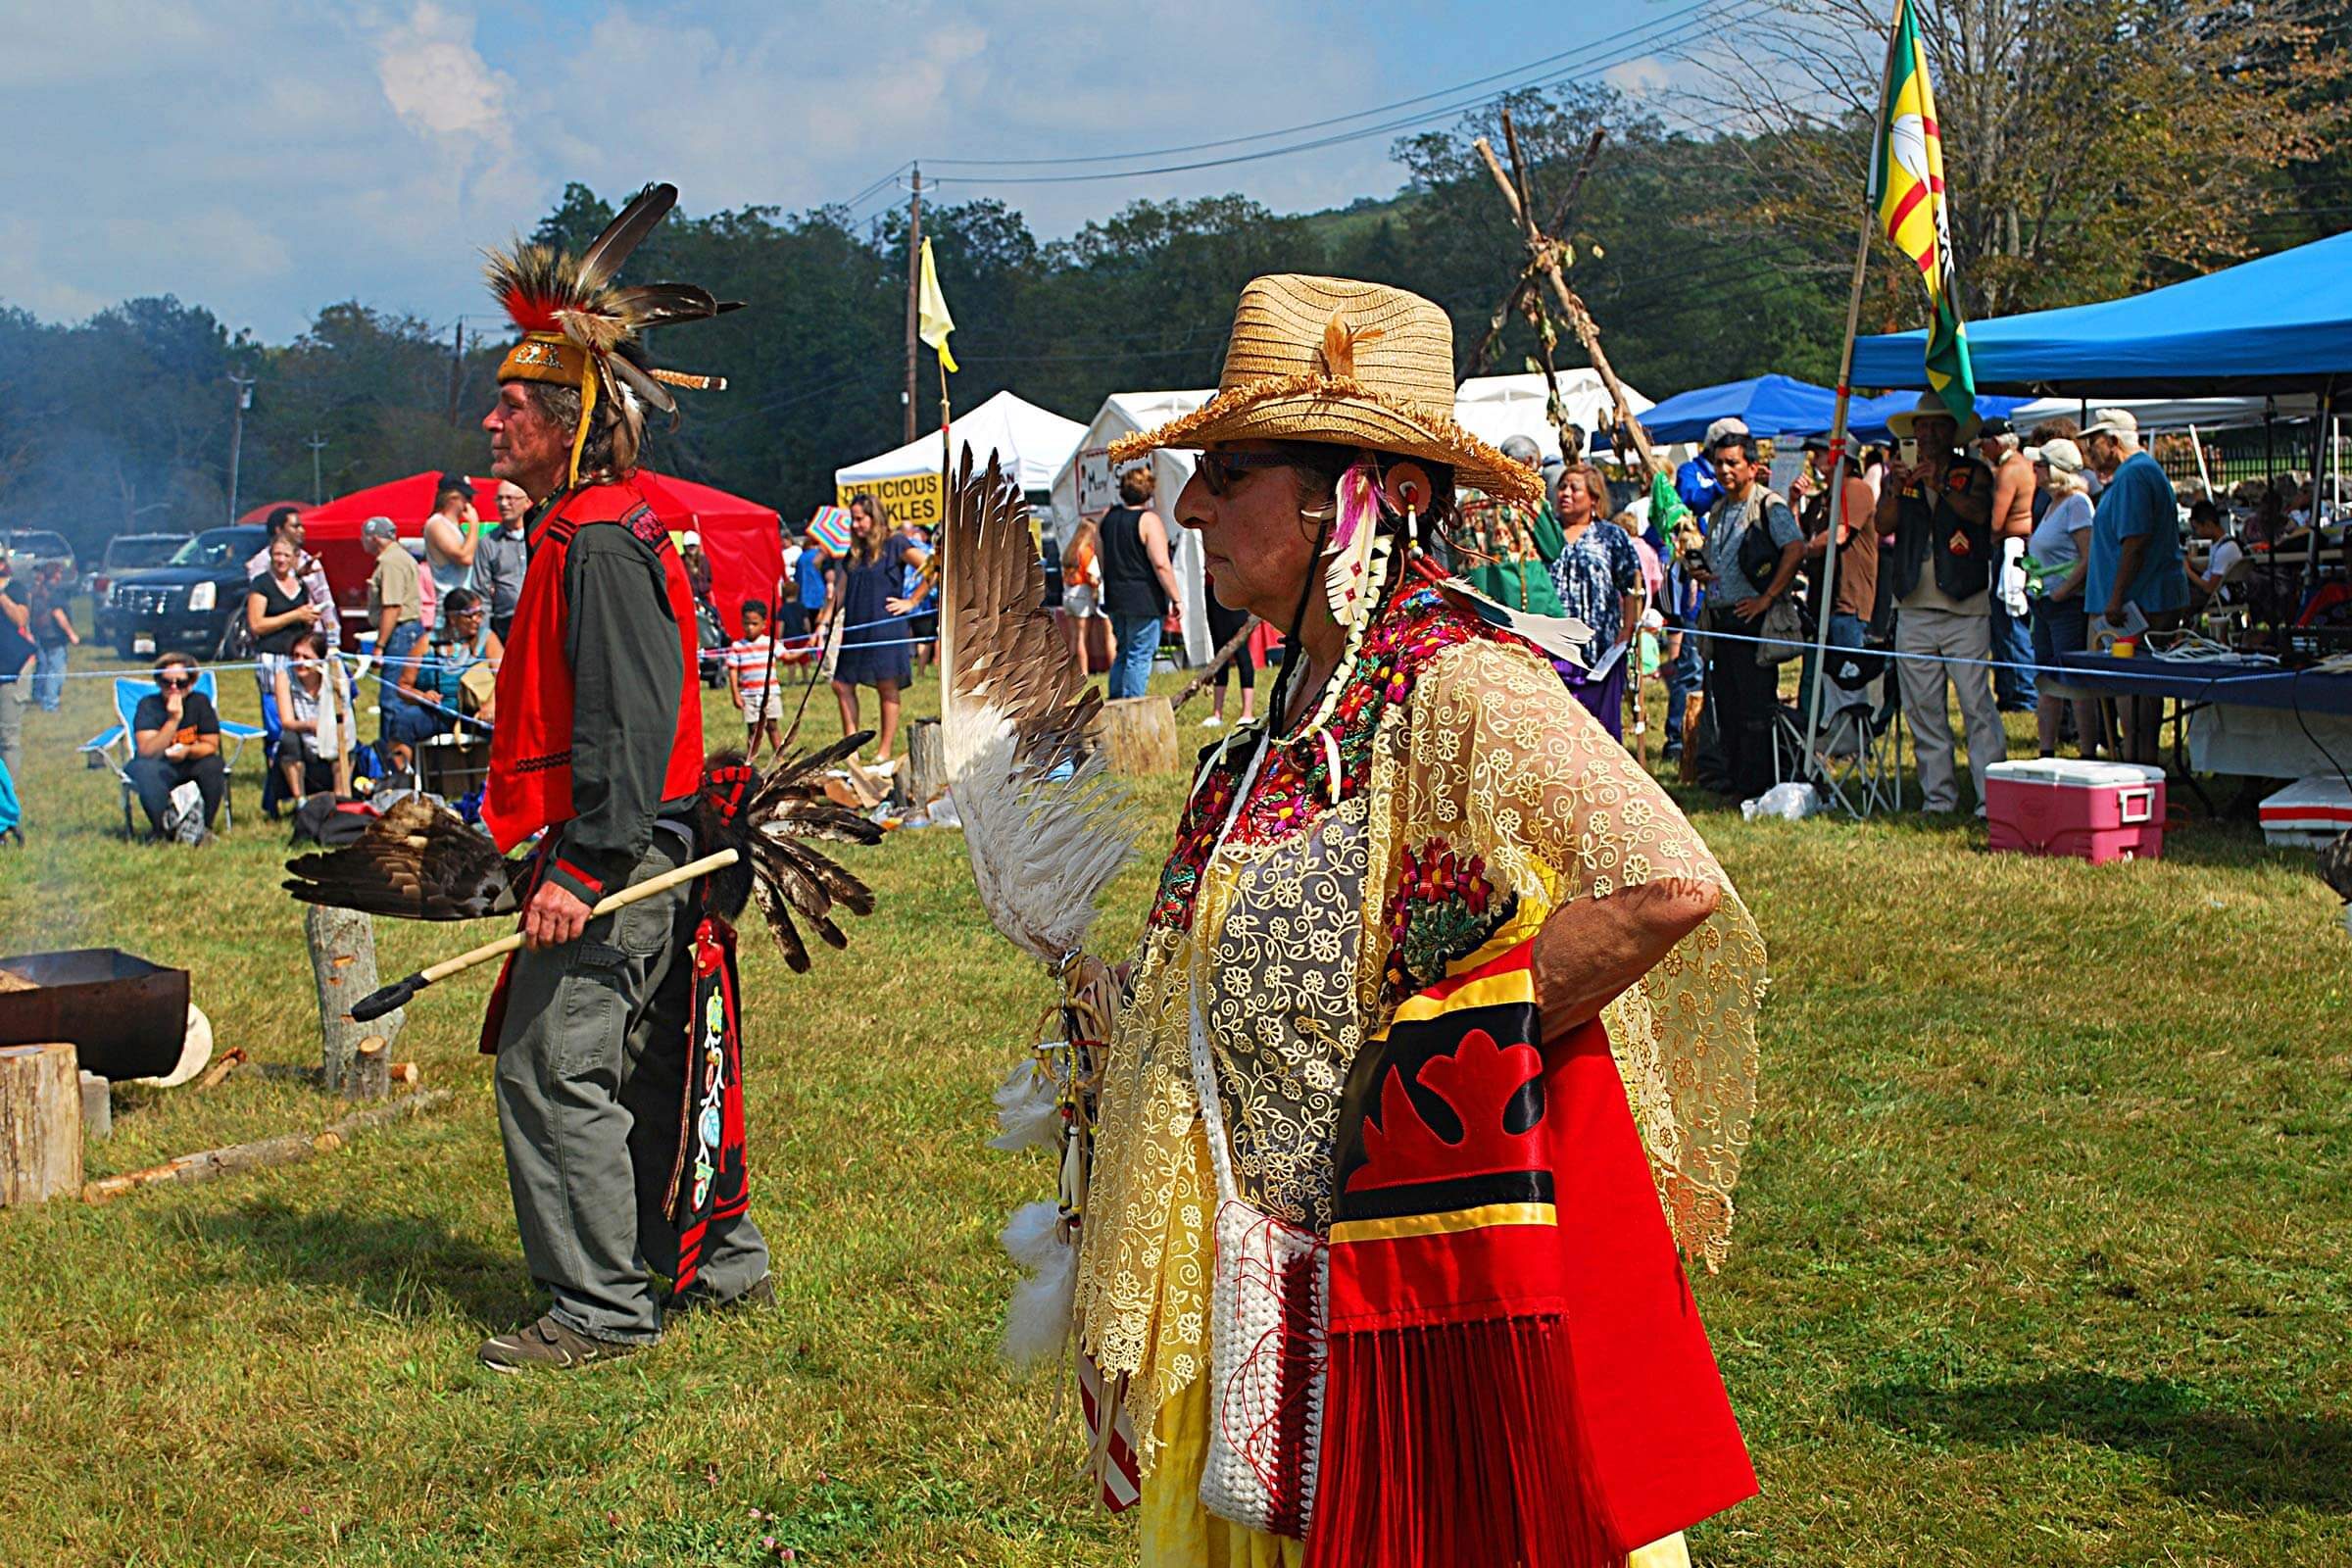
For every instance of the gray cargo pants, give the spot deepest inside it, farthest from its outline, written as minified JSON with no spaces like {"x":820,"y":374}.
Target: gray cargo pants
{"x":591,"y":1074}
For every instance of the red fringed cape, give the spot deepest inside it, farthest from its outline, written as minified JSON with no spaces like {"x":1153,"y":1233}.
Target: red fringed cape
{"x":1517,"y":1371}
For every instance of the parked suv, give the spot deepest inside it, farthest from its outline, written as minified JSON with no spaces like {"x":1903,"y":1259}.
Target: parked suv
{"x":191,"y":602}
{"x":27,"y":548}
{"x":125,"y":553}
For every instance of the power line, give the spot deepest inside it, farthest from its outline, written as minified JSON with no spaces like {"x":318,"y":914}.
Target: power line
{"x":1320,"y":124}
{"x":1713,"y":12}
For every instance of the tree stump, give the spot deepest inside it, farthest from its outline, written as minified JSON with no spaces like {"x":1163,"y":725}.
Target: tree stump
{"x":41,"y":1123}
{"x":370,"y":1070}
{"x":97,"y":1109}
{"x":343,"y":963}
{"x":927,"y":763}
{"x":1139,"y":735}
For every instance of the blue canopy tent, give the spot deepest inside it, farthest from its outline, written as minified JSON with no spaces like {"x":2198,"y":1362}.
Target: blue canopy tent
{"x":2282,"y":323}
{"x":1780,"y":407}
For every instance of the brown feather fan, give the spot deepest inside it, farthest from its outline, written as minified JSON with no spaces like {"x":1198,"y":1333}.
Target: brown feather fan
{"x":418,"y":861}
{"x":421,"y":861}
{"x":1043,"y":826}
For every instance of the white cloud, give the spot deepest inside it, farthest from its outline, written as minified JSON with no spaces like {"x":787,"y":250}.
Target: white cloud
{"x":433,"y":78}
{"x":1648,"y":74}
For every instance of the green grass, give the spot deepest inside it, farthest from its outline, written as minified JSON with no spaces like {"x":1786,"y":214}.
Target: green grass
{"x":2042,"y":1255}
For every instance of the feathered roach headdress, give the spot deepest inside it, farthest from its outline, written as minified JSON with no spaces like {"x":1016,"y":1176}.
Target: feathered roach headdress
{"x":580,"y":331}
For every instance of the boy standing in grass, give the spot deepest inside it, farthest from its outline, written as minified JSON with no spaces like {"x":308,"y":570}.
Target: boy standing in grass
{"x":750,"y":682}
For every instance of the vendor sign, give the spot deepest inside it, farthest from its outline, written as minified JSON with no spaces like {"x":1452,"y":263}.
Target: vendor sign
{"x":914,"y":499}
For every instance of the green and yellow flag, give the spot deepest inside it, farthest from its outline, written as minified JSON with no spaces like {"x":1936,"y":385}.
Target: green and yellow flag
{"x":933,"y":323}
{"x":1906,"y":184}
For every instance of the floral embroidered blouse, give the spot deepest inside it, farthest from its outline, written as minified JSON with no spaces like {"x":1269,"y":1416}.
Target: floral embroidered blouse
{"x":1469,"y":786}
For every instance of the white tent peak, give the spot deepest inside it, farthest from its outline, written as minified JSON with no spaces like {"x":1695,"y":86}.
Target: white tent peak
{"x":1031,"y":441}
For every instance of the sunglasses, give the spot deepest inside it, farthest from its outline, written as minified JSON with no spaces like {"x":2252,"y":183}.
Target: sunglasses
{"x":1221,"y":470}
{"x":175,"y":683}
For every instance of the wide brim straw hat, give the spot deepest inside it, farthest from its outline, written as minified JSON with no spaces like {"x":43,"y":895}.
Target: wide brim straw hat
{"x":1342,"y":362}
{"x":1930,"y":405}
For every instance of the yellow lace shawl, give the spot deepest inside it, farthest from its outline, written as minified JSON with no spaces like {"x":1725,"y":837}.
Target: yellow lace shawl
{"x":1490,"y":754}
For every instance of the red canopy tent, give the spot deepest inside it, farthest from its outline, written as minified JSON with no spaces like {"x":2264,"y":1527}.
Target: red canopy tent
{"x":742,"y":538}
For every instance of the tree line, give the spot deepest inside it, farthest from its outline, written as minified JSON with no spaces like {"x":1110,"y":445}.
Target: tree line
{"x":1707,"y":251}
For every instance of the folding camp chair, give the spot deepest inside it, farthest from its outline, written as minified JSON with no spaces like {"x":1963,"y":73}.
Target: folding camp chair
{"x":1857,"y":752}
{"x":118,"y":743}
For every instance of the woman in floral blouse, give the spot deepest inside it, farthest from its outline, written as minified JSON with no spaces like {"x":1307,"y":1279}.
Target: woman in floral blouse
{"x":1478,"y":1007}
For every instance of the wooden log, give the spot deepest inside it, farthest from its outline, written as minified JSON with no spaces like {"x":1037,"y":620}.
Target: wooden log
{"x":41,"y":1123}
{"x":97,"y":1109}
{"x":1139,"y":735}
{"x":286,"y":1150}
{"x":229,"y":1062}
{"x":406,"y":1072}
{"x":343,"y":966}
{"x":371,"y":1077}
{"x":926,"y":773}
{"x":1694,"y":703}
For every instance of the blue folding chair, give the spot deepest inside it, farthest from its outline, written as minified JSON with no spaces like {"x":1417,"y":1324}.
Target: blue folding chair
{"x":118,"y":743}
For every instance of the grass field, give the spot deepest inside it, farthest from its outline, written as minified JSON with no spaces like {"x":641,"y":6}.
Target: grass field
{"x":2045,"y":1249}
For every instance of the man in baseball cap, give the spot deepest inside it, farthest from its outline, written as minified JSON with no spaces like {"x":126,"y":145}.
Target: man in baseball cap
{"x":2135,"y":555}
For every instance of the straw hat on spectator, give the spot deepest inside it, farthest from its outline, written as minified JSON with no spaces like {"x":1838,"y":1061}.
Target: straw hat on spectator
{"x":1932,"y":406}
{"x":1347,"y":363}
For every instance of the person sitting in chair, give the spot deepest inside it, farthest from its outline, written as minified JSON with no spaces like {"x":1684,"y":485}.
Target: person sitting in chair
{"x":176,"y":740}
{"x":436,"y":685}
{"x":313,"y":722}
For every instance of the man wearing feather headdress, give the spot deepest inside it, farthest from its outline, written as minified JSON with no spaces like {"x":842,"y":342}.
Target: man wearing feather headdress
{"x":599,"y":748}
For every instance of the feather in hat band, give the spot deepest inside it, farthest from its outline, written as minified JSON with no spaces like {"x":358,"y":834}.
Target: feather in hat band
{"x":1349,"y":362}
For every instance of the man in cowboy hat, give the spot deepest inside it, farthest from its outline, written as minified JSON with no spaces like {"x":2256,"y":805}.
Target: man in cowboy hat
{"x":599,"y":750}
{"x":1939,"y":510}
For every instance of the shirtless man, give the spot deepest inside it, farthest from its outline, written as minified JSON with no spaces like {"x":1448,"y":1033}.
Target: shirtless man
{"x":2014,"y":686}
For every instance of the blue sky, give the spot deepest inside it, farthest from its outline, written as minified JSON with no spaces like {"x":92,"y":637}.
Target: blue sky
{"x":265,"y":158}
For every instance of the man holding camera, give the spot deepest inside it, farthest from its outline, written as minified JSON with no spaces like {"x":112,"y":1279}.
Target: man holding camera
{"x":1753,"y":550}
{"x":1940,"y":509}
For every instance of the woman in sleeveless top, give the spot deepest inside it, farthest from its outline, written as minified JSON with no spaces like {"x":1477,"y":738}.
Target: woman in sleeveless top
{"x":1139,"y":583}
{"x":866,"y":602}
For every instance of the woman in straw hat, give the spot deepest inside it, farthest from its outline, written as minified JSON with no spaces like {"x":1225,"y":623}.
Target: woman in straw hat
{"x":1440,"y":1043}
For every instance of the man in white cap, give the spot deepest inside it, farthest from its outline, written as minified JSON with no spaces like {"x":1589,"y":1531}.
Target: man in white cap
{"x":2135,"y":557}
{"x":1939,"y":510}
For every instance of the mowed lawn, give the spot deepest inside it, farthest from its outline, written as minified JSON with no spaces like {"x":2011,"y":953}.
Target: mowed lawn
{"x":2044,"y":1252}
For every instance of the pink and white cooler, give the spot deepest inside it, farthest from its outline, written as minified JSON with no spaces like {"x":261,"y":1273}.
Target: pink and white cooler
{"x":2095,"y":811}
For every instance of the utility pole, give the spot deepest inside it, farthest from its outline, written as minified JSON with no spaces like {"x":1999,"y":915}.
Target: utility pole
{"x":915,"y":269}
{"x":236,"y":436}
{"x":457,"y":370}
{"x":317,"y":444}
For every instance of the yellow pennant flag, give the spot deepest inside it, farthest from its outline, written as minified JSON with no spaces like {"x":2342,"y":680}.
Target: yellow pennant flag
{"x":933,"y":323}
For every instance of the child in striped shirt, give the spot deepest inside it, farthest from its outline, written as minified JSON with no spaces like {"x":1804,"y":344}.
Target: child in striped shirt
{"x":751,"y":668}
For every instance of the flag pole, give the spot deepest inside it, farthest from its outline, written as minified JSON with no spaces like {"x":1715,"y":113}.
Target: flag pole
{"x":1837,"y":431}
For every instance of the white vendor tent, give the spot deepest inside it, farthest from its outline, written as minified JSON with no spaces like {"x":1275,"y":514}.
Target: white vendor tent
{"x":1085,"y":487}
{"x":2172,"y":414}
{"x":1494,"y":407}
{"x":1031,"y":441}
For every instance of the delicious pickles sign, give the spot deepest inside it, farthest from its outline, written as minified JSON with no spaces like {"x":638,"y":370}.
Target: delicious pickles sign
{"x":914,"y":499}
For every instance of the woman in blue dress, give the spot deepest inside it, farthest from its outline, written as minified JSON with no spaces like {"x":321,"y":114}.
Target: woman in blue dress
{"x":864,"y":598}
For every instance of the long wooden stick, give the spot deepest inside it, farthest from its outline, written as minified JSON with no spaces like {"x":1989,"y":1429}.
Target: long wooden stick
{"x":268,"y":1152}
{"x":1544,"y":253}
{"x":1232,"y":647}
{"x":378,"y":1002}
{"x":1812,"y":762}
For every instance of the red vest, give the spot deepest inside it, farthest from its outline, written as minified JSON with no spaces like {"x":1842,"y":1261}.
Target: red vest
{"x":531,"y":747}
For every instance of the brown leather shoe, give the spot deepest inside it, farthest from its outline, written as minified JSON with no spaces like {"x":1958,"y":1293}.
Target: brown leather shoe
{"x":549,"y":1343}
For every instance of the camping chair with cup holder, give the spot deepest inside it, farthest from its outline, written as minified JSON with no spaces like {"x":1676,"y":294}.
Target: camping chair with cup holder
{"x":103,"y":748}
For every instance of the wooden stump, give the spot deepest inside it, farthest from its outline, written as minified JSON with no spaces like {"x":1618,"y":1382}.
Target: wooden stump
{"x":41,"y":1123}
{"x":343,"y":964}
{"x":1694,"y":703}
{"x":1139,"y":735}
{"x":97,"y":1109}
{"x":927,"y":763}
{"x":371,"y":1075}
